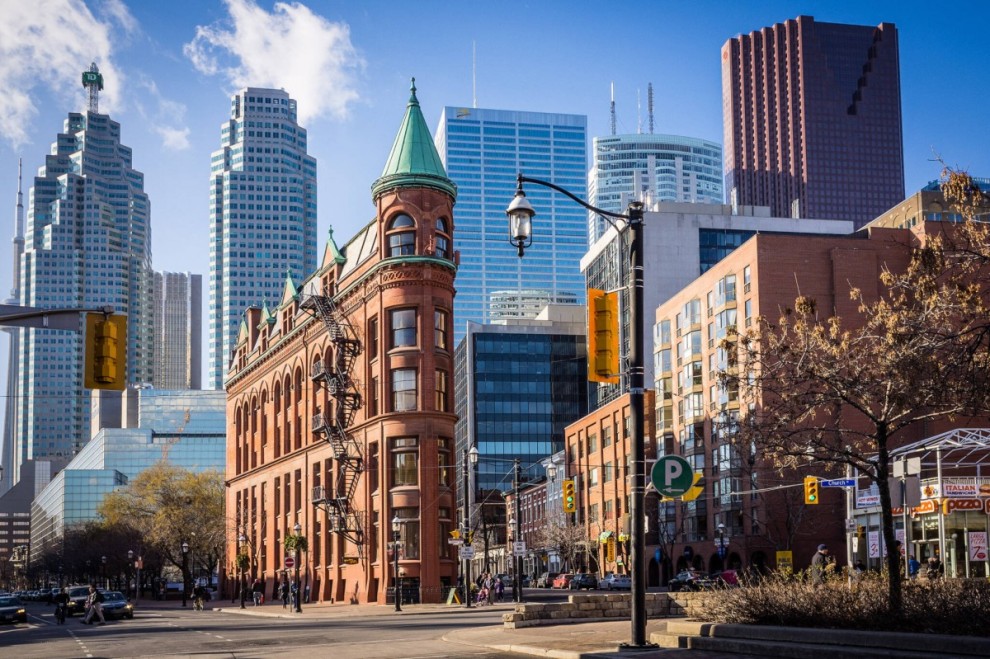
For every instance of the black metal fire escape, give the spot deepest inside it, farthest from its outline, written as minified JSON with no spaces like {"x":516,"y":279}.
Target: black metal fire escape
{"x":339,"y":503}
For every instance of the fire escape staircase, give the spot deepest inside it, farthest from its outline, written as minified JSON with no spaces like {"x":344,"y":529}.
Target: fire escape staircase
{"x":336,"y":376}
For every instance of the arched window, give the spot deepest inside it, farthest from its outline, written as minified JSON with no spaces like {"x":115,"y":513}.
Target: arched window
{"x":442,"y":249}
{"x":401,"y":236}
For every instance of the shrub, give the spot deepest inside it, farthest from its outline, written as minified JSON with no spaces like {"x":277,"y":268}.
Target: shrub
{"x":943,"y":606}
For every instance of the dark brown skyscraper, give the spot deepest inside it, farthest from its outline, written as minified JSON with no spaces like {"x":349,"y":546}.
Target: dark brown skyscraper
{"x":812,"y":115}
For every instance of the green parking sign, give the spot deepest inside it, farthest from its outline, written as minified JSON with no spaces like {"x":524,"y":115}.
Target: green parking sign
{"x":672,"y":476}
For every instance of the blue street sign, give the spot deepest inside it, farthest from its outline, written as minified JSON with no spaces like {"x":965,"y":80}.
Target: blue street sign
{"x":839,"y":482}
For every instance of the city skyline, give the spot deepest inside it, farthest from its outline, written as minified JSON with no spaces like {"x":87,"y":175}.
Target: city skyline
{"x":169,"y":79}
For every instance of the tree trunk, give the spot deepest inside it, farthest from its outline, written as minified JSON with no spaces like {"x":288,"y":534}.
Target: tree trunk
{"x":894,"y":594}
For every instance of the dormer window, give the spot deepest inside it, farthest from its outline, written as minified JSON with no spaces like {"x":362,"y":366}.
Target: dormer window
{"x":401,"y":236}
{"x":442,"y":240}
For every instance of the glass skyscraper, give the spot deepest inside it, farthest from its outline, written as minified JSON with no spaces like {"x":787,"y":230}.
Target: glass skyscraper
{"x":482,"y":151}
{"x":262,"y":213}
{"x":87,"y":245}
{"x":178,"y":328}
{"x":516,"y":387}
{"x":651,"y":168}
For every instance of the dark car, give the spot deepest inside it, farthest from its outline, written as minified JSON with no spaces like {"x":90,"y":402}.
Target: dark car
{"x":583,"y":580}
{"x":77,"y":600}
{"x":545,"y":580}
{"x":690,"y":580}
{"x":115,"y":605}
{"x":12,"y":609}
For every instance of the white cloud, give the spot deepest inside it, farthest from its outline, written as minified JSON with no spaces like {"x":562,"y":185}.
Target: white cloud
{"x":292,"y":48}
{"x":46,"y":44}
{"x":118,"y":11}
{"x":167,"y":118}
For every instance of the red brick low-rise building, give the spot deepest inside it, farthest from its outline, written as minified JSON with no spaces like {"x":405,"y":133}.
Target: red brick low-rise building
{"x":339,"y":401}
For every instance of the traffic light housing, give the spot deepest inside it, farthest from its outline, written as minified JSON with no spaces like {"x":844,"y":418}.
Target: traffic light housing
{"x":603,"y":336}
{"x":811,"y":490}
{"x":570,"y":500}
{"x":105,"y":362}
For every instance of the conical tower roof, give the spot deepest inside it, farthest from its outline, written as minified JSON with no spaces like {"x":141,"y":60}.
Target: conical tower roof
{"x":414,"y":161}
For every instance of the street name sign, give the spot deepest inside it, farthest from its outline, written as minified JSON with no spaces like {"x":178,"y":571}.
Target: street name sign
{"x":672,"y":476}
{"x":838,"y":482}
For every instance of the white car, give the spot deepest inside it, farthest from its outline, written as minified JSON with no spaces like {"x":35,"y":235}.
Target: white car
{"x":614,"y":581}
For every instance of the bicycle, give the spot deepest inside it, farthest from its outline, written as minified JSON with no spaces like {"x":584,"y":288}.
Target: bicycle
{"x":60,"y":613}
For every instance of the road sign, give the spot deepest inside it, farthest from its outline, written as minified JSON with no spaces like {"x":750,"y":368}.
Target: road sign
{"x":518,"y":548}
{"x":289,"y":562}
{"x":466,"y":553}
{"x":672,"y":475}
{"x":838,"y":482}
{"x":455,"y":541}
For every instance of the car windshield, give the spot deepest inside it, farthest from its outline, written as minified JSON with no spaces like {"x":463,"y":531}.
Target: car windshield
{"x":113,"y":597}
{"x":9,"y":601}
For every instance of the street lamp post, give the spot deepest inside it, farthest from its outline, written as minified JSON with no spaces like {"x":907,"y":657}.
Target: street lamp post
{"x":106,"y":582}
{"x":520,"y":213}
{"x":470,"y":459}
{"x":130,"y":571}
{"x":241,"y":540}
{"x":721,"y":542}
{"x":185,"y":567}
{"x":298,"y":531}
{"x":396,"y":534}
{"x":517,"y":560}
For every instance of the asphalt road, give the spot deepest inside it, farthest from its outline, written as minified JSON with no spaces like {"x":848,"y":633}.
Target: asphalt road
{"x":208,"y":634}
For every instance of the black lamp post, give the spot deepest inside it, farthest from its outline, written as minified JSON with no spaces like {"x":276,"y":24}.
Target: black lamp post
{"x":130,"y":571}
{"x":520,"y":213}
{"x":185,"y":567}
{"x":470,"y":459}
{"x":298,"y":531}
{"x":517,"y":534}
{"x":396,"y":535}
{"x":103,"y":561}
{"x":241,"y":540}
{"x":721,"y":542}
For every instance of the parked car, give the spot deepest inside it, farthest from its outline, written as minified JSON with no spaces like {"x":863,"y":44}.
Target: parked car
{"x":614,"y":581}
{"x":115,"y":605}
{"x":12,"y":609}
{"x":563,"y":580}
{"x":77,"y":600}
{"x":725,"y":578}
{"x":545,"y":580}
{"x":583,"y":580}
{"x":690,"y":580}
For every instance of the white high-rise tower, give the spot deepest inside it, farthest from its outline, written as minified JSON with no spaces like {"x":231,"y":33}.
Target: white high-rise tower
{"x":7,"y":475}
{"x":262,"y":213}
{"x":87,"y":244}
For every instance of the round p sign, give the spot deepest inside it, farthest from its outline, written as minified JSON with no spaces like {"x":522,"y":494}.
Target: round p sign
{"x":672,"y":476}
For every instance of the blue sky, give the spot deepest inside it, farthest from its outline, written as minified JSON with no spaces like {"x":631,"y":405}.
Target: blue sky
{"x":170,"y":68}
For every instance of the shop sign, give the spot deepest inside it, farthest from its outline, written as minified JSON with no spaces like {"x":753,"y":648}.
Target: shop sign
{"x":924,"y":507}
{"x":867,"y":499}
{"x":987,"y":507}
{"x":957,"y":488}
{"x":948,"y":505}
{"x":785,"y":560}
{"x":873,"y":544}
{"x":977,"y":545}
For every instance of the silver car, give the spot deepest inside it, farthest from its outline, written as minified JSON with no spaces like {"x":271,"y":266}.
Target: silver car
{"x":614,"y":581}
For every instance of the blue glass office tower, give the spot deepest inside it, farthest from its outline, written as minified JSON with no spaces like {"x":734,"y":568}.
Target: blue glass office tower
{"x":482,"y":151}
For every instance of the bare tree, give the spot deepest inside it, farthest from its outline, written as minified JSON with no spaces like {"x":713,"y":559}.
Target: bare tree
{"x":563,"y":538}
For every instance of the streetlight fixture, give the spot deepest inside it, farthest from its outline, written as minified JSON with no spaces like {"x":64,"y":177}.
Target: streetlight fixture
{"x":721,"y":542}
{"x":396,"y":533}
{"x":297,"y":529}
{"x":241,"y":540}
{"x":130,"y":570}
{"x":520,"y":213}
{"x":517,"y":534}
{"x":469,"y":461}
{"x":185,"y":559}
{"x":106,"y":583}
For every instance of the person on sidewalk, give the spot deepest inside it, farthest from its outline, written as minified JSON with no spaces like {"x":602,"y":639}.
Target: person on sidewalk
{"x":819,"y":563}
{"x":283,"y":591}
{"x":94,"y":606}
{"x":258,"y":592}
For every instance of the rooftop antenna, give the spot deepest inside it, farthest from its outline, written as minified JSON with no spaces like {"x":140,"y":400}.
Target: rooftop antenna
{"x":93,"y":81}
{"x":639,"y":113}
{"x":649,"y":104}
{"x":474,"y":74}
{"x":612,"y":108}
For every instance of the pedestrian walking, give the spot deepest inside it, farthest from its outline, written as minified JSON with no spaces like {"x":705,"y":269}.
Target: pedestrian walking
{"x":294,"y":590}
{"x":283,"y":591}
{"x":94,"y":606}
{"x":913,"y":567}
{"x":819,"y":563}
{"x":258,"y":592}
{"x":499,"y":590}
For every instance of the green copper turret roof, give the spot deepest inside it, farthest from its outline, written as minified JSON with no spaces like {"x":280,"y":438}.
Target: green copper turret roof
{"x":414,"y":161}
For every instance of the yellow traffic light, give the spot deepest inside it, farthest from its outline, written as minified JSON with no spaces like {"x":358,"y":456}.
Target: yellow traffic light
{"x":603,"y":336}
{"x":811,"y":490}
{"x":105,"y":363}
{"x":570,"y":500}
